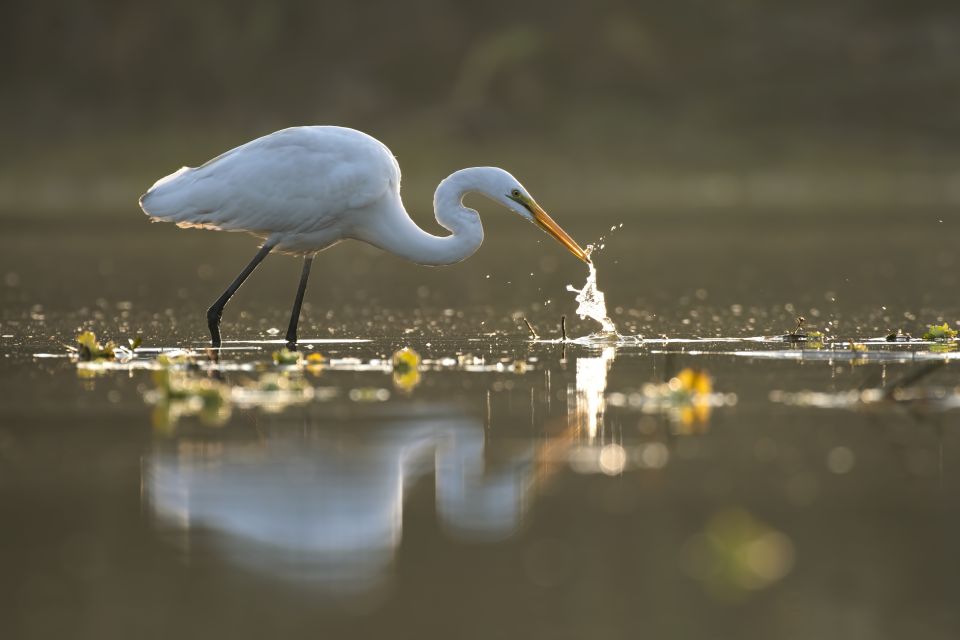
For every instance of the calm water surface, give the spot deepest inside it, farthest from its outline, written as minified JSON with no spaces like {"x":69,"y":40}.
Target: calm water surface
{"x":508,"y":488}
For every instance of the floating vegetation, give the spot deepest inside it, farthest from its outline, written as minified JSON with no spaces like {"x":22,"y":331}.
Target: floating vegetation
{"x":94,"y":358}
{"x":90,"y":349}
{"x":798,"y":334}
{"x":811,"y":339}
{"x":533,"y":332}
{"x":736,"y":554}
{"x":939,"y":332}
{"x":286,"y":357}
{"x":406,"y":369}
{"x":405,"y":360}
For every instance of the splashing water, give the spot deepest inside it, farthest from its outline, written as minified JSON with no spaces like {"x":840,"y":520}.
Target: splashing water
{"x":592,"y":303}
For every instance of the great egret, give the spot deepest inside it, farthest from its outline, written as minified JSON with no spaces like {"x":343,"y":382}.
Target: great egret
{"x":304,"y":189}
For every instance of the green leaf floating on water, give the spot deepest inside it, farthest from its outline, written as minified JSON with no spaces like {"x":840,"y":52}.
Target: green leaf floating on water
{"x":940,"y":332}
{"x":90,"y":349}
{"x":287,"y":357}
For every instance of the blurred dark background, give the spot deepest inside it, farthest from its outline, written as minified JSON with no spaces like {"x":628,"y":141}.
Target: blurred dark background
{"x":609,"y":105}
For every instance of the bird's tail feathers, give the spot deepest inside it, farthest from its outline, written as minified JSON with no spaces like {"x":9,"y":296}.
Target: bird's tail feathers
{"x":175,"y":198}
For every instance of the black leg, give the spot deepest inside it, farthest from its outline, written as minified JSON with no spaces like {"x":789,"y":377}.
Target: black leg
{"x":215,"y":312}
{"x":295,"y":313}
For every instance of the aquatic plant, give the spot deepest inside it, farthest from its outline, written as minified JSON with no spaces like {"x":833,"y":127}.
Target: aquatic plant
{"x":405,"y":359}
{"x":90,"y":349}
{"x":939,"y":332}
{"x":530,"y":328}
{"x":898,"y":336}
{"x":814,"y":339}
{"x":286,"y":357}
{"x":406,"y":369}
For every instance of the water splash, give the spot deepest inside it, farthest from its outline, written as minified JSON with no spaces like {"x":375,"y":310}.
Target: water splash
{"x":591,"y":301}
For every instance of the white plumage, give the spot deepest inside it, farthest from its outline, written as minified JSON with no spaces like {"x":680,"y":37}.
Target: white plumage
{"x":297,"y":184}
{"x":304,"y":189}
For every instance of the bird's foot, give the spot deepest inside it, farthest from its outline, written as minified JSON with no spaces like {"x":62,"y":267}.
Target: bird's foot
{"x":213,"y":324}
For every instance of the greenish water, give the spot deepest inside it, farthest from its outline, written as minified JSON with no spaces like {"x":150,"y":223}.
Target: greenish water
{"x":505,"y":487}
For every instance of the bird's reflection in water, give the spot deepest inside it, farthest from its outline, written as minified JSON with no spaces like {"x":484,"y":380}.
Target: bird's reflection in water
{"x":326,"y":505}
{"x":323,"y":502}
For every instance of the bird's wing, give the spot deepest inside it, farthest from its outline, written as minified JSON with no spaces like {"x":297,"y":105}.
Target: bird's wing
{"x":298,"y":180}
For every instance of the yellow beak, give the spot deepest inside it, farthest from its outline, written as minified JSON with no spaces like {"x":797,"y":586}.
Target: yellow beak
{"x":551,"y":227}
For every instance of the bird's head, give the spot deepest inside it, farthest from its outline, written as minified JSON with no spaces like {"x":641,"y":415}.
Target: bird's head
{"x":507,"y":190}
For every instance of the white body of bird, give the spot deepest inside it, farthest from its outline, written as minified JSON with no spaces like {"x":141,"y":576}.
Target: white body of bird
{"x":304,"y":189}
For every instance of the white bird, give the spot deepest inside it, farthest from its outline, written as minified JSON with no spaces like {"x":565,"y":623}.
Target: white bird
{"x":304,"y":189}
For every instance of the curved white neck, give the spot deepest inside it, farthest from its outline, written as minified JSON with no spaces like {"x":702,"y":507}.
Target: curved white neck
{"x":395,"y":232}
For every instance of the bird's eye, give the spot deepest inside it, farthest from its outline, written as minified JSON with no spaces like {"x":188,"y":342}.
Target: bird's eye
{"x":515,"y":193}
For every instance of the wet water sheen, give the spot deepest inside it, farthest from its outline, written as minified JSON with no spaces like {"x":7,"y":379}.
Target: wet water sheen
{"x":717,"y":480}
